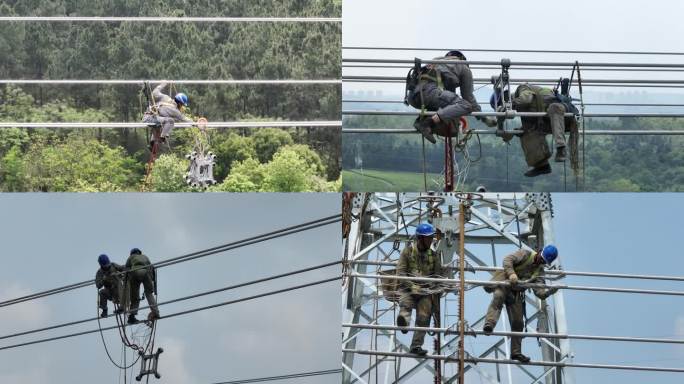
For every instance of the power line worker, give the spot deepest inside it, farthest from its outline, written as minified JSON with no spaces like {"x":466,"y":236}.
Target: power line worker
{"x":432,"y":87}
{"x":108,"y":281}
{"x":141,"y":271}
{"x":418,"y":260}
{"x":166,"y":111}
{"x":533,"y":98}
{"x":519,"y":265}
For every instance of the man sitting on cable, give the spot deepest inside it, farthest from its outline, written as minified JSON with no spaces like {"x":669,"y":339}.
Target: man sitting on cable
{"x":432,"y":88}
{"x":164,"y":111}
{"x":533,"y":98}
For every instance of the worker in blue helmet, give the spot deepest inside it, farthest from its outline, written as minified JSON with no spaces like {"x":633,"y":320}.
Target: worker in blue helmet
{"x":165,"y":111}
{"x":141,"y":271}
{"x":418,"y":260}
{"x":520,"y":265}
{"x":109,"y":282}
{"x":433,"y":88}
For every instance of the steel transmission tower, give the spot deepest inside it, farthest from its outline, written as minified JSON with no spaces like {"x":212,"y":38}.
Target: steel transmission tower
{"x":496,"y":224}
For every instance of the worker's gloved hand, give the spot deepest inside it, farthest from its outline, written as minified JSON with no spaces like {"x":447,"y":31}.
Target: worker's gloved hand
{"x":488,"y":121}
{"x":545,"y":295}
{"x":415,"y":289}
{"x":513,"y":278}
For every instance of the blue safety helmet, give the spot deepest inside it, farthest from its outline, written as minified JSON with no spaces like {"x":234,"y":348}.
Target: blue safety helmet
{"x":103,"y":260}
{"x":549,"y":253}
{"x":181,"y":98}
{"x":495,"y":101}
{"x":135,"y":251}
{"x":425,"y":229}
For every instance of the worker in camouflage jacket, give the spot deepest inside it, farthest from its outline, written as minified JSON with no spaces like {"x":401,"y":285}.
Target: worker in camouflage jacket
{"x":521,"y":265}
{"x":141,"y":271}
{"x":418,"y":260}
{"x":109,"y":282}
{"x":533,"y":98}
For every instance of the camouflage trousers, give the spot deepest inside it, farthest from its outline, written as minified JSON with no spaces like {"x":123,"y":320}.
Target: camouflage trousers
{"x":515,"y":302}
{"x":423,"y":307}
{"x":166,"y":123}
{"x":556,"y":113}
{"x":111,"y":293}
{"x":135,"y":278}
{"x":448,"y":105}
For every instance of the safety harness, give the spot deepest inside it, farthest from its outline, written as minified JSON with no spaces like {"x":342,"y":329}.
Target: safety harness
{"x":413,"y":266}
{"x":521,"y":268}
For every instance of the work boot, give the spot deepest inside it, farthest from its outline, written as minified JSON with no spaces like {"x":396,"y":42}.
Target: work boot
{"x":401,"y":322}
{"x":488,"y":328}
{"x":544,"y":169}
{"x":104,"y":313}
{"x":422,"y":125}
{"x":418,"y":351}
{"x":520,"y":357}
{"x":132,"y":319}
{"x":560,"y":155}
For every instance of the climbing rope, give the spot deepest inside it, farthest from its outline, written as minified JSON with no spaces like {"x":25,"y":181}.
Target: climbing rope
{"x":579,"y":84}
{"x":99,"y":325}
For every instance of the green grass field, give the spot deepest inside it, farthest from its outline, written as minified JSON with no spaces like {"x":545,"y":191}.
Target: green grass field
{"x":369,"y":180}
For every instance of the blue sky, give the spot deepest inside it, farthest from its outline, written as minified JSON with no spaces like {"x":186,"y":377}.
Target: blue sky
{"x":54,"y":239}
{"x":623,"y":233}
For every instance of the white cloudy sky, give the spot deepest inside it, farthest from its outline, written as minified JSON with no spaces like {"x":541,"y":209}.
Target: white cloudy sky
{"x":527,"y":24}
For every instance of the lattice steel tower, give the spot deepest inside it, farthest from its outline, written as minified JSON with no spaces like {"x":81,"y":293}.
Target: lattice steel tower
{"x":496,"y":224}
